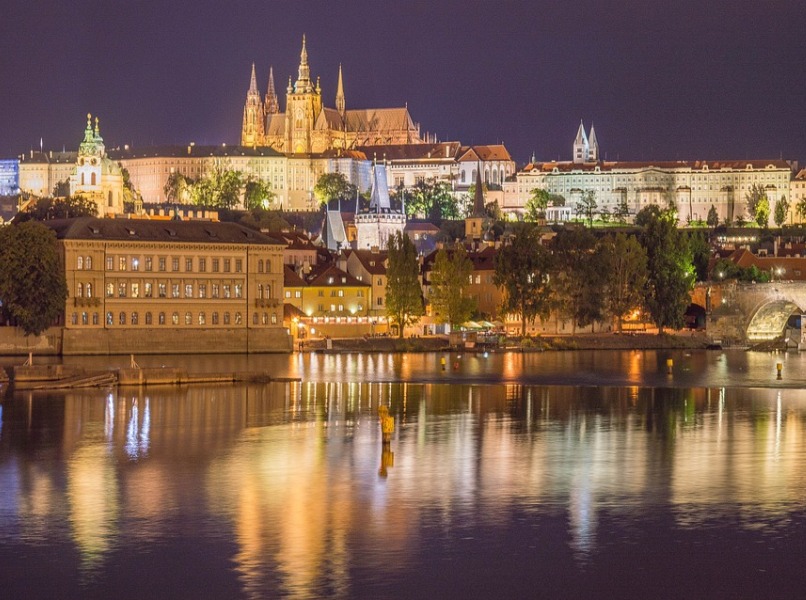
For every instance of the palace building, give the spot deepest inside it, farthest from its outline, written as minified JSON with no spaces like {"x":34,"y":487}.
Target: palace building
{"x":309,"y":127}
{"x":141,"y":286}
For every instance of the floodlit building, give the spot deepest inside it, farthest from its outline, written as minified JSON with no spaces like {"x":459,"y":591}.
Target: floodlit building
{"x":380,"y":221}
{"x":153,"y":287}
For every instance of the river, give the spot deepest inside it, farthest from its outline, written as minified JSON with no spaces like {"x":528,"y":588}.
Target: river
{"x":556,"y":475}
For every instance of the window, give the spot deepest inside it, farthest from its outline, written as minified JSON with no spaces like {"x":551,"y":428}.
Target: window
{"x":227,"y":264}
{"x":239,"y":290}
{"x":148,"y":318}
{"x":188,"y":264}
{"x":89,"y":290}
{"x":202,"y":290}
{"x":79,"y":291}
{"x":238,"y":319}
{"x":175,"y":318}
{"x":135,"y":264}
{"x":341,"y":307}
{"x":174,"y":264}
{"x":274,"y":318}
{"x":148,"y":290}
{"x":121,"y":263}
{"x":202,"y":319}
{"x":226,"y":318}
{"x":122,"y":318}
{"x":109,"y":318}
{"x":162,"y":290}
{"x":298,"y":294}
{"x":94,"y":318}
{"x":265,"y":318}
{"x":332,"y":308}
{"x":215,"y":318}
{"x":215,"y":265}
{"x":74,"y":319}
{"x":288,"y":294}
{"x":379,"y":301}
{"x":188,"y":318}
{"x":85,"y":318}
{"x":135,"y":318}
{"x":341,"y":293}
{"x":174,"y":290}
{"x":135,"y":290}
{"x":110,"y":263}
{"x":202,"y":265}
{"x":260,"y":290}
{"x":321,"y":293}
{"x":88,"y":263}
{"x":80,"y":264}
{"x":238,"y":265}
{"x":188,"y":290}
{"x":254,"y":319}
{"x":122,"y":289}
{"x":161,"y":318}
{"x":161,"y":265}
{"x":227,"y":291}
{"x":214,"y":288}
{"x":259,"y":266}
{"x":149,"y":263}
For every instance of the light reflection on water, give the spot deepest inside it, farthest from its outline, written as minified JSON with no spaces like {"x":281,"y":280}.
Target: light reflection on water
{"x":277,"y":489}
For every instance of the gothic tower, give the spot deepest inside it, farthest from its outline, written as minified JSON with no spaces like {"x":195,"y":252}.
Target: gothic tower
{"x":303,"y":105}
{"x":340,"y":104}
{"x":252,"y":132}
{"x":581,"y":147}
{"x":593,"y":146}
{"x":271,"y":105}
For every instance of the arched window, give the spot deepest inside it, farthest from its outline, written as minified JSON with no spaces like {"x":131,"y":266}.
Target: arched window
{"x":92,"y":178}
{"x":202,"y":319}
{"x":175,"y":318}
{"x":238,"y":318}
{"x":462,"y":177}
{"x":80,"y":263}
{"x":254,"y":319}
{"x":82,"y":179}
{"x":88,"y":263}
{"x":268,"y":266}
{"x":188,"y":318}
{"x":74,"y":319}
{"x":110,"y":319}
{"x":265,"y":318}
{"x":226,"y":318}
{"x":135,"y":318}
{"x":260,"y":290}
{"x":89,"y":290}
{"x":161,"y":318}
{"x":260,"y":266}
{"x":274,"y":318}
{"x":148,"y":318}
{"x":94,"y":318}
{"x":122,"y":318}
{"x":215,"y":318}
{"x":80,"y":290}
{"x":85,"y":318}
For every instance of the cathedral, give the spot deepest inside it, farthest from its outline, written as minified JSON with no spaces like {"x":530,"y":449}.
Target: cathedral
{"x":308,"y":127}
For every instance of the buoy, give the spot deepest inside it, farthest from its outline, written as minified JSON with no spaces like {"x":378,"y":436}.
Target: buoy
{"x":780,"y":368}
{"x":669,"y":365}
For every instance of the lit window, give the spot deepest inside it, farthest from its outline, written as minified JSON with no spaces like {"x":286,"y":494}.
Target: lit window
{"x":135,"y":290}
{"x":109,"y":318}
{"x":175,"y":318}
{"x":188,"y":290}
{"x":188,"y":318}
{"x":121,"y":263}
{"x":175,"y":290}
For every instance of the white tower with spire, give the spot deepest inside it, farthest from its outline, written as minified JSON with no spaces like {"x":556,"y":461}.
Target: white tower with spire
{"x":376,"y":225}
{"x":586,"y":148}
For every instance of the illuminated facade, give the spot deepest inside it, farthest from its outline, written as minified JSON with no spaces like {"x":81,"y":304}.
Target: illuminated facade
{"x":309,"y":127}
{"x":96,"y":176}
{"x":692,"y":186}
{"x":376,"y":225}
{"x":167,"y":286}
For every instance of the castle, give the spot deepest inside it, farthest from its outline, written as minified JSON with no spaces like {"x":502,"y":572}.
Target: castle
{"x":308,"y":127}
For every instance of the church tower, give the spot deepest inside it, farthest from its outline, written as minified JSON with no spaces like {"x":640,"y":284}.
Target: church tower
{"x":340,"y":104}
{"x":581,"y":145}
{"x":252,"y":132}
{"x":593,"y":146}
{"x":474,"y":224}
{"x":96,"y":176}
{"x":303,"y":105}
{"x":271,"y":104}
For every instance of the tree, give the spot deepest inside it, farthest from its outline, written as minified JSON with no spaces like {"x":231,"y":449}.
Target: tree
{"x":700,"y":250}
{"x":177,"y":188}
{"x":33,"y":290}
{"x":221,"y":188}
{"x":762,"y":214}
{"x":670,"y":272}
{"x":781,"y":211}
{"x":800,"y":208}
{"x":404,"y":300}
{"x":61,"y":189}
{"x":433,"y":200}
{"x":536,"y":205}
{"x":713,"y":217}
{"x":522,"y":271}
{"x":257,"y":194}
{"x":333,"y":186}
{"x":753,"y":198}
{"x":587,"y":206}
{"x":621,"y":211}
{"x":625,"y":268}
{"x":46,"y":209}
{"x":578,"y":277}
{"x":450,"y":279}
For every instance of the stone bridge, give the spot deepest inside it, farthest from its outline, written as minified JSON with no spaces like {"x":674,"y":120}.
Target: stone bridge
{"x":748,"y":313}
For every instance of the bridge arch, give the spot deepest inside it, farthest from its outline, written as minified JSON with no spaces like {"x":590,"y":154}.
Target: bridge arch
{"x":770,"y":319}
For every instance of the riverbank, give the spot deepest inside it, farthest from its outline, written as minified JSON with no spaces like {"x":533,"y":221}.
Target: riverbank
{"x":589,"y":341}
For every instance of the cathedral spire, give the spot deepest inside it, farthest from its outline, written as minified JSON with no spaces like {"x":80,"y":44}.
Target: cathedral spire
{"x":303,"y":83}
{"x":253,"y":81}
{"x":340,"y":104}
{"x":478,"y":197}
{"x":272,"y":106}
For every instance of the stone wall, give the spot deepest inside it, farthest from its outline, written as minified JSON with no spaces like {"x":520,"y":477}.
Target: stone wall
{"x":13,"y":342}
{"x":176,"y":341}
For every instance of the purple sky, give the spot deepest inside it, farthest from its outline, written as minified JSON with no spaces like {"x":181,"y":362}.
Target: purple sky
{"x":661,"y":80}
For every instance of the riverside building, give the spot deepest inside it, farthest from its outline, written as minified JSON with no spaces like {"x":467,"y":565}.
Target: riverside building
{"x":154,"y":287}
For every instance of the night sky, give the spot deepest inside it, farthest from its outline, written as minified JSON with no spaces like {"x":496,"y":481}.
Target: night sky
{"x":660,"y":80}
